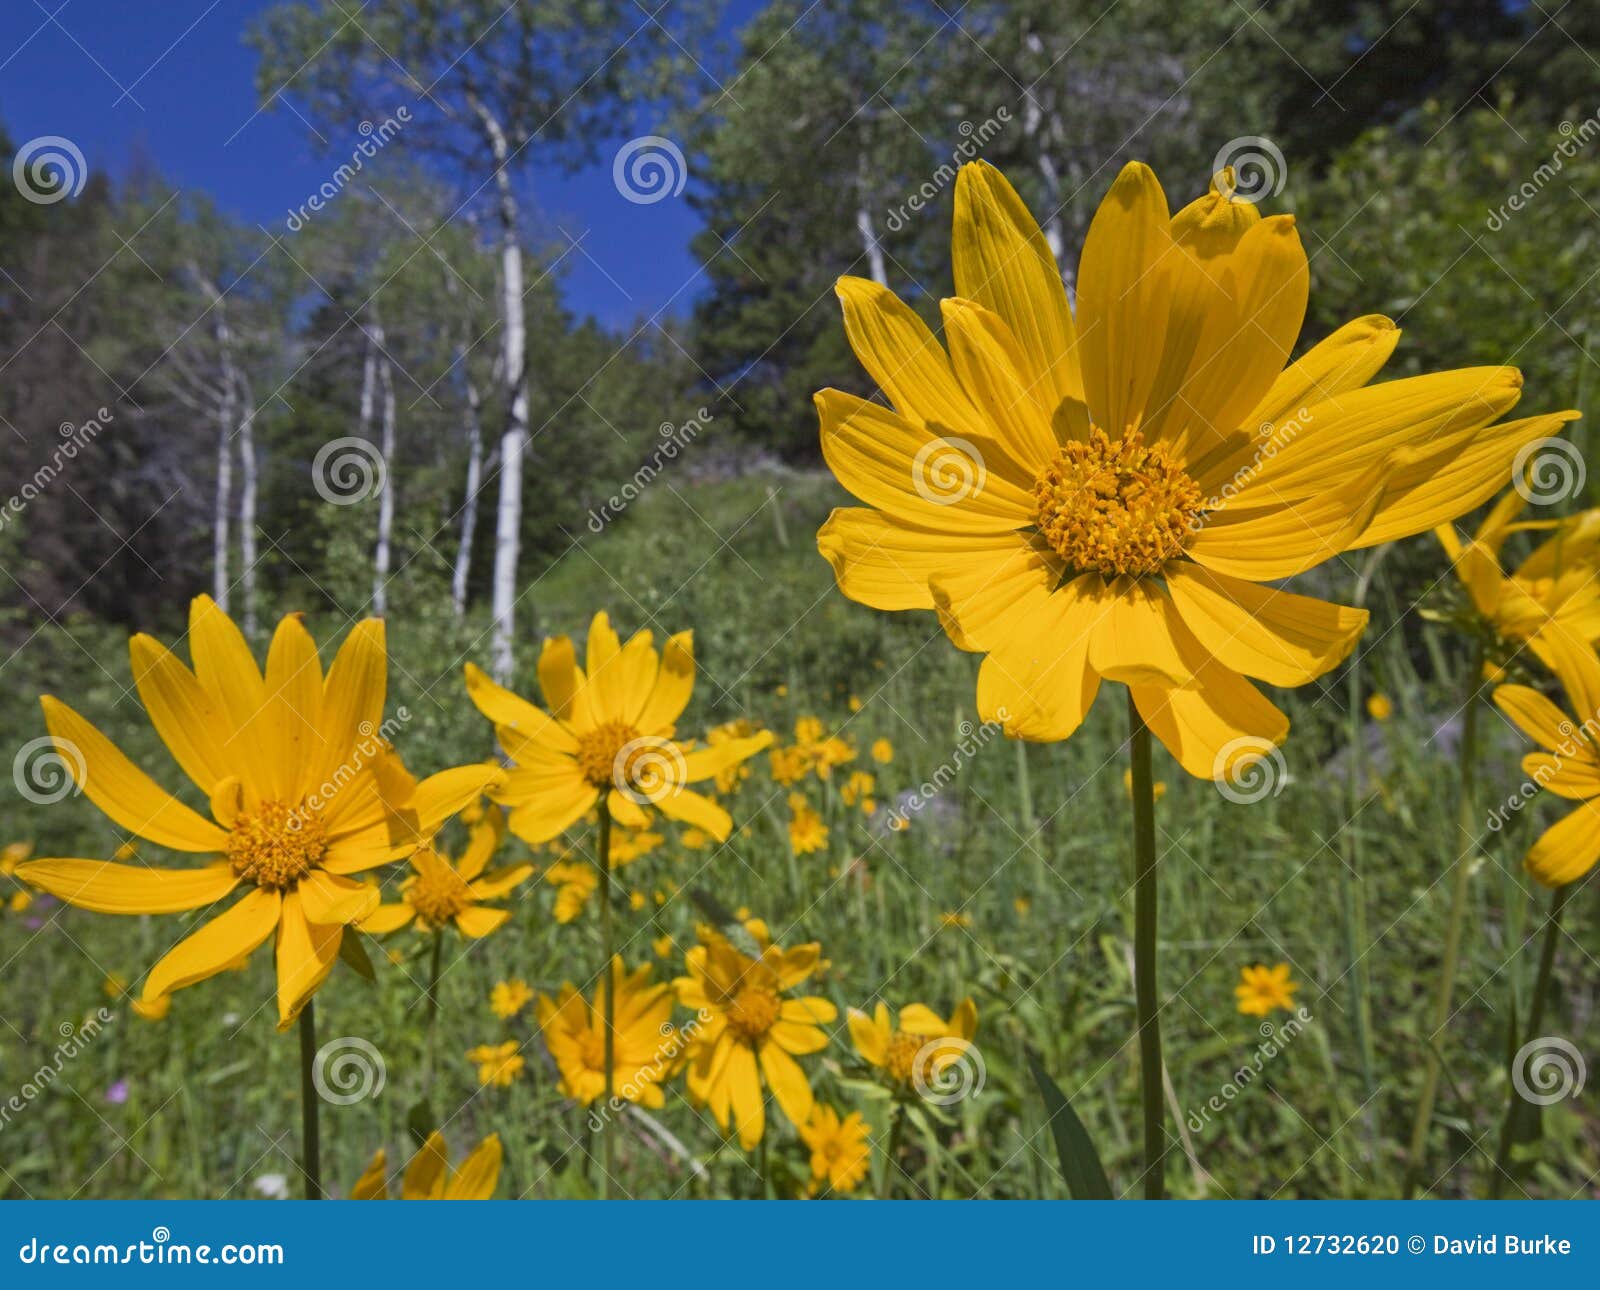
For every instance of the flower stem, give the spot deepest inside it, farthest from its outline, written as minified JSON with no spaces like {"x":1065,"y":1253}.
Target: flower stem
{"x":891,"y":1155}
{"x":310,"y":1146}
{"x":1541,"y":987}
{"x":433,"y":978}
{"x":608,"y":1131}
{"x":1461,"y":874}
{"x":1144,"y":954}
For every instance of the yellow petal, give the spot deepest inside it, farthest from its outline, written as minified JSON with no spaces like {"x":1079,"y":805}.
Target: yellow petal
{"x":1538,"y":718}
{"x":696,"y":811}
{"x":986,"y":598}
{"x":227,"y":671}
{"x":294,"y":709}
{"x":181,"y":711}
{"x":217,"y":945}
{"x":886,"y":563}
{"x":387,"y":918}
{"x":1039,"y":685}
{"x":479,"y":1172}
{"x":480,"y":920}
{"x":306,"y":954}
{"x":1345,"y":360}
{"x":561,"y":680}
{"x":1574,"y":776}
{"x":504,"y":708}
{"x":328,"y":898}
{"x":674,"y":684}
{"x":1568,"y":848}
{"x":425,"y":1176}
{"x":353,"y":695}
{"x":787,"y":1082}
{"x":992,"y":370}
{"x":1134,"y":634}
{"x":109,"y":888}
{"x":1217,"y":727}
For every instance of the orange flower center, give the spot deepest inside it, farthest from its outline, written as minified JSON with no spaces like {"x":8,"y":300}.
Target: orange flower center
{"x":604,"y":755}
{"x":901,"y":1061}
{"x":276,"y":846}
{"x":1117,"y":506}
{"x":753,"y":1012}
{"x":438,"y":895}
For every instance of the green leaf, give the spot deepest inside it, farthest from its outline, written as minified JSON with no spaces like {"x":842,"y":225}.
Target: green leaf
{"x":419,"y":1122}
{"x":1080,"y":1162}
{"x":354,"y":953}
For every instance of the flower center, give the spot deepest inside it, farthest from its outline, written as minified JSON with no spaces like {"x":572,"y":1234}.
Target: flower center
{"x":600,"y":749}
{"x":438,"y":895}
{"x":901,"y":1062}
{"x":593,"y":1049}
{"x":276,"y":846}
{"x":753,"y":1012}
{"x":1116,"y":506}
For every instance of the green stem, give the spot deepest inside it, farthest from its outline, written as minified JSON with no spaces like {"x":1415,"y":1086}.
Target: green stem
{"x":891,"y":1156}
{"x":1461,"y":874}
{"x":310,"y":1146}
{"x":1541,"y":987}
{"x":433,"y":978}
{"x":608,"y":1139}
{"x":1144,"y":954}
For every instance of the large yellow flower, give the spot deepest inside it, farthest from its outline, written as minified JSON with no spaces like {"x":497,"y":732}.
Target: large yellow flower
{"x":609,"y":729}
{"x":1105,"y":493}
{"x":647,"y":1047}
{"x":439,"y":893}
{"x":1569,"y":765}
{"x":748,"y":1032}
{"x":1555,"y":585}
{"x":429,"y":1176}
{"x":293,"y":764}
{"x":915,"y":1049}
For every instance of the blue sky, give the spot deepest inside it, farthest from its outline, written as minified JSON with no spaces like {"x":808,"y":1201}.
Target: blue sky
{"x":173,"y":82}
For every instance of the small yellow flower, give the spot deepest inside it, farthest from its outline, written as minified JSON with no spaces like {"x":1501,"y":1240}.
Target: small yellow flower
{"x":808,"y":731}
{"x":628,"y":845}
{"x":841,"y":1150}
{"x":855,"y":703}
{"x":1262,"y":988}
{"x":1158,"y":789}
{"x":911,"y":1052}
{"x":429,"y":1176}
{"x":807,"y":832}
{"x":13,"y":855}
{"x":882,"y":751}
{"x":498,"y":1064}
{"x":859,"y":787}
{"x":789,"y":765}
{"x":782,"y":691}
{"x":954,"y":918}
{"x":832,"y":752}
{"x":663,"y":947}
{"x":510,"y":997}
{"x":637,"y":900}
{"x":1379,"y":708}
{"x":441,"y":892}
{"x":647,"y":1049}
{"x":695,"y":839}
{"x":575,"y":883}
{"x":1023,"y":906}
{"x":115,"y":985}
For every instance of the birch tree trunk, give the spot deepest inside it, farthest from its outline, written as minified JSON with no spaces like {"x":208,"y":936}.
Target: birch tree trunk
{"x":869,"y":242}
{"x":1041,"y":128}
{"x":247,"y":500}
{"x":227,"y":413}
{"x":380,"y":555}
{"x":469,"y":505}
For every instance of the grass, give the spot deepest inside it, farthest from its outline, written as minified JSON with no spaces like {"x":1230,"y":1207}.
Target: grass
{"x":1015,"y":887}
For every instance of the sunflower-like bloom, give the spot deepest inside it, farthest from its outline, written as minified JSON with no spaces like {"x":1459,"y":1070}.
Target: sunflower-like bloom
{"x":1105,"y":494}
{"x":648,"y":1048}
{"x":293,"y":763}
{"x":440,"y":892}
{"x":749,"y":1032}
{"x":1262,"y":988}
{"x":841,"y":1151}
{"x":609,"y":729}
{"x":429,"y":1176}
{"x":1555,"y":585}
{"x":913,"y":1051}
{"x":1569,"y":763}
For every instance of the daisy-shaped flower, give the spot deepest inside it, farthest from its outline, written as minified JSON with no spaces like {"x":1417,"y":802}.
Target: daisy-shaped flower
{"x":292,"y":763}
{"x":841,"y":1150}
{"x":429,"y":1176}
{"x":1262,"y":989}
{"x":751,"y":1029}
{"x":913,"y":1051}
{"x":647,"y":1047}
{"x":440,"y":892}
{"x":1554,"y":586}
{"x":1568,"y":763}
{"x":610,"y":729}
{"x":1109,"y":493}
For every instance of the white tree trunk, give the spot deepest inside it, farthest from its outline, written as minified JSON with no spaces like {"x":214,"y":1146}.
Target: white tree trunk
{"x":469,"y":505}
{"x":227,"y":413}
{"x":386,"y":450}
{"x":247,"y":501}
{"x":870,"y":243}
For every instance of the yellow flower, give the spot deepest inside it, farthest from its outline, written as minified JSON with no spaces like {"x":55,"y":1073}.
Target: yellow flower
{"x":1023,"y":906}
{"x":694,"y":839}
{"x":647,"y":1047}
{"x":628,"y":845}
{"x":1554,"y":587}
{"x":954,"y":918}
{"x":807,"y":832}
{"x":293,"y":764}
{"x":1262,"y":988}
{"x":608,"y":730}
{"x":751,"y":1030}
{"x":498,"y":1064}
{"x":20,"y":900}
{"x":12,"y":855}
{"x":855,"y":703}
{"x":1569,"y":765}
{"x":663,"y":946}
{"x":1158,"y":789}
{"x":1379,"y":708}
{"x":1112,"y":495}
{"x":882,"y":751}
{"x":729,"y":777}
{"x":808,"y":731}
{"x":831,"y":752}
{"x":440,"y":892}
{"x":429,"y":1176}
{"x":114,"y":986}
{"x":789,"y":765}
{"x":510,"y":997}
{"x":575,"y":883}
{"x":913,"y":1051}
{"x":841,"y":1151}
